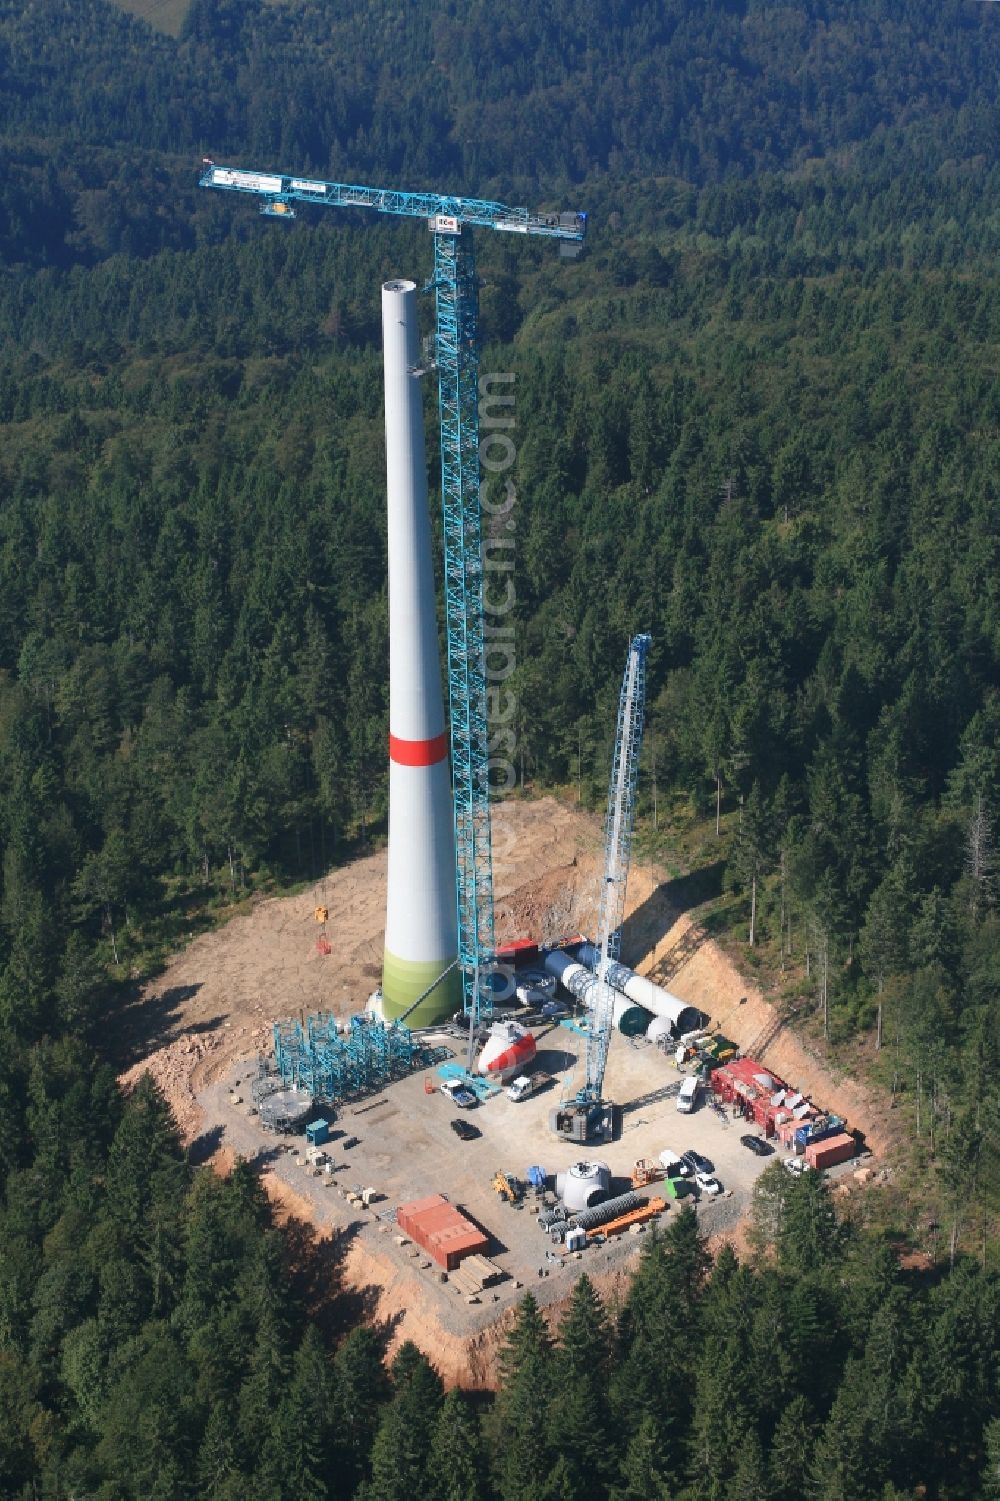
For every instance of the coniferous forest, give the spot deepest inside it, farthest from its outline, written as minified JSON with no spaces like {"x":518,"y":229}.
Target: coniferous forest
{"x":760,"y":418}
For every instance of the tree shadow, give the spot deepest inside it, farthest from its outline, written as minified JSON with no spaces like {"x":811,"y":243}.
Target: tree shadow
{"x":316,"y":1262}
{"x":143,"y":1022}
{"x":266,"y":1157}
{"x":653,"y":918}
{"x":205,"y":1146}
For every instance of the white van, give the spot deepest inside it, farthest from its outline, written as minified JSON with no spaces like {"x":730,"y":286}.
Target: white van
{"x":673,"y":1166}
{"x":688,"y":1097}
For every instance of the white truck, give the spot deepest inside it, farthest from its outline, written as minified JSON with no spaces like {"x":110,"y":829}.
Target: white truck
{"x":527,"y":1084}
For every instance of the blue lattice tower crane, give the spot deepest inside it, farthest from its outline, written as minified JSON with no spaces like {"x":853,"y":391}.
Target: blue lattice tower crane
{"x":590,"y":1117}
{"x":451,"y":220}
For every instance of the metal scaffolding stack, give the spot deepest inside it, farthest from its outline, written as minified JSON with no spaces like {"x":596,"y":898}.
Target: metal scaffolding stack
{"x":334,"y":1064}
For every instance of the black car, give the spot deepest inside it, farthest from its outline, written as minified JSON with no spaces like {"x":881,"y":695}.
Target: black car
{"x":757,"y":1145}
{"x":465,"y":1130}
{"x":697,"y":1163}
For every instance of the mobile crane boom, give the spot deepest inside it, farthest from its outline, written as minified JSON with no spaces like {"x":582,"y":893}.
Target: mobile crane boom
{"x":589,"y":1116}
{"x":618,"y":825}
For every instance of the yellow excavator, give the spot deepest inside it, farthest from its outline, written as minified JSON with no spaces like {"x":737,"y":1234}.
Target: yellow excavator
{"x":506,"y":1186}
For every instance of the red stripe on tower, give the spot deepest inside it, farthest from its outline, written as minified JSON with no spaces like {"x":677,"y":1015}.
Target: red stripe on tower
{"x":418,"y":752}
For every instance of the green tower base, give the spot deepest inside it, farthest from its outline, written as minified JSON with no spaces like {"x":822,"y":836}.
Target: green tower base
{"x":404,"y":979}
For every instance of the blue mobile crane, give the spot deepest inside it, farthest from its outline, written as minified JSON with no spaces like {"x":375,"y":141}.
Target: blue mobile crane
{"x":451,"y":221}
{"x":589,"y":1117}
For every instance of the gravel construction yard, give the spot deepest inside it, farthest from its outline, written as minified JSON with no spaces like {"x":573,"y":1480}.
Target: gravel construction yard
{"x":406,"y":1150}
{"x":199,"y":1026}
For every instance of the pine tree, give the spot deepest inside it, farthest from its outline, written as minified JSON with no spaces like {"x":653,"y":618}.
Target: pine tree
{"x":402,"y":1444}
{"x":642,"y":1474}
{"x":456,"y":1470}
{"x":749,"y":1480}
{"x":841,"y":1467}
{"x":579,"y":1419}
{"x":217,"y":1462}
{"x":561,"y":1483}
{"x":145,"y":1146}
{"x":519,"y":1444}
{"x":268,"y":1302}
{"x":658,"y":1322}
{"x":949,"y":1394}
{"x":791,"y":1450}
{"x":874,"y":1409}
{"x":723,"y":1414}
{"x":991,"y":1472}
{"x":752,"y":850}
{"x":882,"y":941}
{"x":297,"y":1451}
{"x":360,"y":1388}
{"x":980,"y":860}
{"x":809,"y":1236}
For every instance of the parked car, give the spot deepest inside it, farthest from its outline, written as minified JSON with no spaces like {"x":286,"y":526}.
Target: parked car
{"x":689,"y":1096}
{"x":554,"y":1010}
{"x":697,"y":1163}
{"x":464,"y":1130}
{"x":459,"y":1094}
{"x":757,"y":1145}
{"x":707,"y":1184}
{"x":796,"y":1165}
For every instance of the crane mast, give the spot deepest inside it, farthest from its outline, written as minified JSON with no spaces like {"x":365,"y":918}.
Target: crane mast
{"x":451,"y":220}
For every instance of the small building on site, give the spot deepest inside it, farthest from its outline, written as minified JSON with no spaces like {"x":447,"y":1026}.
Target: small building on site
{"x":441,"y":1230}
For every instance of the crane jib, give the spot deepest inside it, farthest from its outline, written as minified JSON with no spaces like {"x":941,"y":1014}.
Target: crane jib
{"x":444,"y":214}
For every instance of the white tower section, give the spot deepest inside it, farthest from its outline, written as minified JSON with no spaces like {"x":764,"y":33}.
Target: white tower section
{"x":420,"y":920}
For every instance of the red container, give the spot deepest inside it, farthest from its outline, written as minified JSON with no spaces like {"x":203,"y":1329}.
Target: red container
{"x":829,"y":1152}
{"x":518,"y":951}
{"x":439,"y":1229}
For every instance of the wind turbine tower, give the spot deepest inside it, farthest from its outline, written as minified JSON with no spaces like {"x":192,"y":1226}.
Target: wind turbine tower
{"x":421,"y":938}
